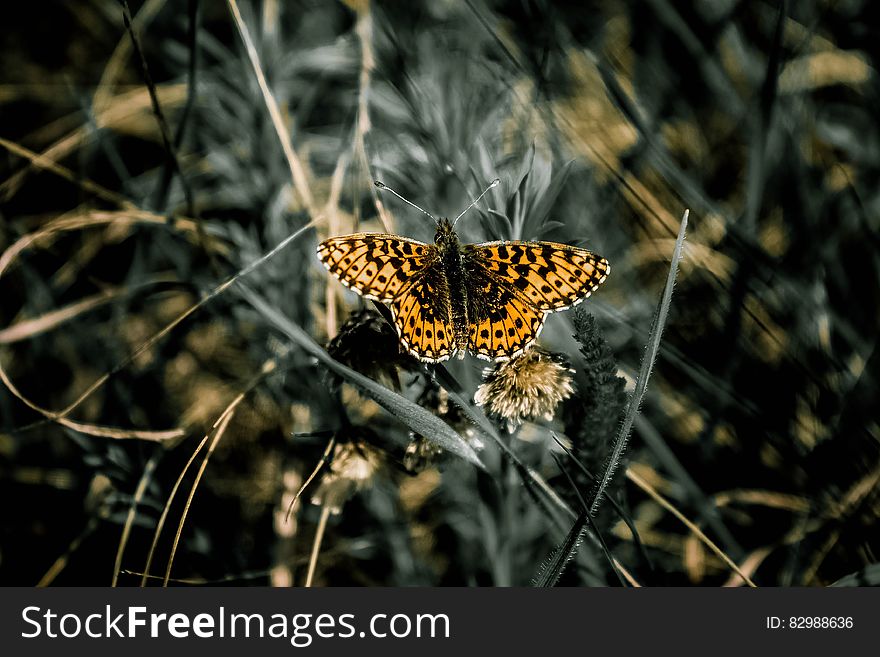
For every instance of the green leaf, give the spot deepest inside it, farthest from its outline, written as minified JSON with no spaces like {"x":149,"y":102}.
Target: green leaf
{"x":412,"y":415}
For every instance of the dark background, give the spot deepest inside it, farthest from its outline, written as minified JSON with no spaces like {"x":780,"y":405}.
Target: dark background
{"x":604,"y":122}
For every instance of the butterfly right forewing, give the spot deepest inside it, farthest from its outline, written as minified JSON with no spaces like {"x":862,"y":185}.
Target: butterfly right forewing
{"x":548,"y":275}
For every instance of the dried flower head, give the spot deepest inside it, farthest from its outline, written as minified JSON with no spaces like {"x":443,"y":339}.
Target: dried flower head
{"x":367,"y":343}
{"x":352,"y":469}
{"x":422,"y":453}
{"x":436,"y":400}
{"x":527,"y":387}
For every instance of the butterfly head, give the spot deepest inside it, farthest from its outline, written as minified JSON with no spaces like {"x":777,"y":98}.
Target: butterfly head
{"x":445,"y":237}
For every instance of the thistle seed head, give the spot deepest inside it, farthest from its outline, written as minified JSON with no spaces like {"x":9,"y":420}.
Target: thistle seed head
{"x":527,"y":387}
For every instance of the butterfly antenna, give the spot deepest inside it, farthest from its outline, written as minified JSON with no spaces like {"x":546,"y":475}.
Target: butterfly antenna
{"x":382,"y":185}
{"x":494,"y":183}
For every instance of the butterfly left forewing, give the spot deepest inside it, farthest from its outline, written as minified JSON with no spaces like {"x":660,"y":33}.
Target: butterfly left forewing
{"x":376,"y":265}
{"x":547,"y":275}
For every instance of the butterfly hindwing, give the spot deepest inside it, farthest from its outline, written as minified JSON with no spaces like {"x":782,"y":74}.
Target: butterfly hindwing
{"x":502,"y":325}
{"x":376,"y":265}
{"x":423,"y":318}
{"x":507,"y":331}
{"x":547,"y":275}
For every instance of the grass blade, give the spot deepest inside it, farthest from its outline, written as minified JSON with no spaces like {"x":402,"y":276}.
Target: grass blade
{"x":644,"y":370}
{"x":552,"y":569}
{"x":565,"y":551}
{"x":868,"y":576}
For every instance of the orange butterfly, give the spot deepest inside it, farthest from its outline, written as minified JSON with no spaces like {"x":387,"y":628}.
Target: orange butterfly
{"x":446,"y":298}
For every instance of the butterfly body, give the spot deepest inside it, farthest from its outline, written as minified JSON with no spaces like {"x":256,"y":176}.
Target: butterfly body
{"x":450,"y":255}
{"x":449,"y":298}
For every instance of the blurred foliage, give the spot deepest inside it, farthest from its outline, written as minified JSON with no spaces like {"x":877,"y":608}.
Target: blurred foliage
{"x":604,"y":121}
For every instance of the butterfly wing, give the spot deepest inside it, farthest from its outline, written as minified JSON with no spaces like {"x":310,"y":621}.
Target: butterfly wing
{"x":502,"y":324}
{"x":547,"y":275}
{"x":423,"y":317}
{"x":376,"y":265}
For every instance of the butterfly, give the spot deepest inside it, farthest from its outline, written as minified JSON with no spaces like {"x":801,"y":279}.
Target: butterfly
{"x":448,"y":298}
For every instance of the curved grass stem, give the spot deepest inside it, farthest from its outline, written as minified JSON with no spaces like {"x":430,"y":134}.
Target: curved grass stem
{"x":316,"y":544}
